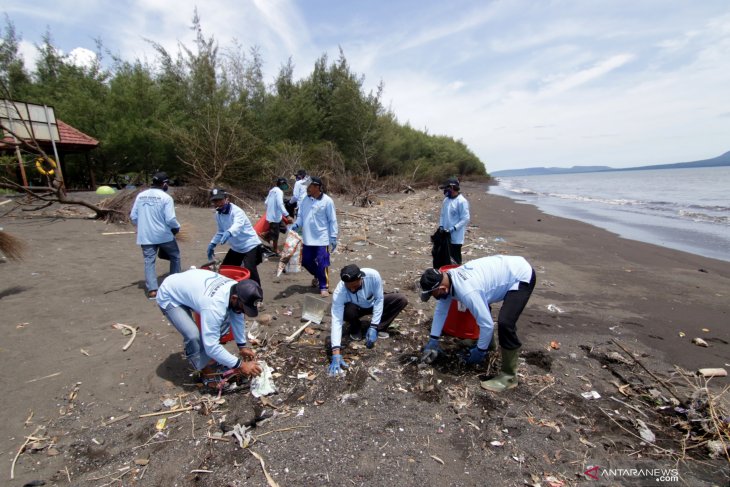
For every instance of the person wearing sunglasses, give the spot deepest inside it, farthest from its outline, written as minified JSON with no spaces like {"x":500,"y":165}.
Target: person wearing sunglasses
{"x":477,"y":285}
{"x":221,"y":303}
{"x":359,"y":294}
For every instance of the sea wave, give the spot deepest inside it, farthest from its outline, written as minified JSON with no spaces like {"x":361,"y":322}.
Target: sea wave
{"x":704,"y":217}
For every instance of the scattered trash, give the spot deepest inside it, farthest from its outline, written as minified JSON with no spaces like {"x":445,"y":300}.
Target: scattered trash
{"x":590,"y":395}
{"x":161,"y":423}
{"x":263,"y":384}
{"x":168,"y":403}
{"x":437,"y":459}
{"x":706,"y":330}
{"x":300,"y":413}
{"x":682,"y":334}
{"x":700,"y":342}
{"x":349,"y":397}
{"x":555,"y":345}
{"x":496,"y":443}
{"x":645,"y":433}
{"x":554,"y":309}
{"x":717,"y":372}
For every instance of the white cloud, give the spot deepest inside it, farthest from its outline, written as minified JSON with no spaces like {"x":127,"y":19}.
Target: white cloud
{"x":82,"y":57}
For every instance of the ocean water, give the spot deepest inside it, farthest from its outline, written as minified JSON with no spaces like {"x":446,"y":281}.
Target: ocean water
{"x":683,"y":209}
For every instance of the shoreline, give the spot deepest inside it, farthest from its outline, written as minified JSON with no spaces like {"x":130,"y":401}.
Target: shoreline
{"x":694,"y":237}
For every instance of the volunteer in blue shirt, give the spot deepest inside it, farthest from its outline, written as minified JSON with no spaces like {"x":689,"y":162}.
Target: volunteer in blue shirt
{"x":276,"y":212}
{"x":235,"y":229}
{"x":478,"y":284}
{"x":360,"y":293}
{"x":298,"y":193}
{"x":317,"y":222}
{"x":454,"y":216}
{"x":220,"y":302}
{"x":153,"y":213}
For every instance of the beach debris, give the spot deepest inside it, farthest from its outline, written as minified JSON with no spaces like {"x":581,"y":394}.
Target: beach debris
{"x":239,"y":432}
{"x":438,"y":459}
{"x":644,"y":431}
{"x":298,"y":332}
{"x":706,"y":330}
{"x":263,"y":384}
{"x":700,"y":342}
{"x":28,"y":439}
{"x":555,"y":345}
{"x":554,"y":309}
{"x":160,"y":424}
{"x":590,"y":395}
{"x":496,"y":443}
{"x":127,"y":330}
{"x":682,"y":334}
{"x":269,"y":478}
{"x":712,"y":372}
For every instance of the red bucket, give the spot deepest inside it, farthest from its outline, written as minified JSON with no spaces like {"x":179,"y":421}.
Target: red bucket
{"x":459,"y":324}
{"x":232,"y":272}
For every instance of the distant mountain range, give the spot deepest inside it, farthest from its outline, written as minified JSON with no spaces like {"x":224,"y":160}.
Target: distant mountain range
{"x":723,"y":160}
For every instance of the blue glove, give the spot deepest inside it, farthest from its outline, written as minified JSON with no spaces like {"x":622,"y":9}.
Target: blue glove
{"x":211,"y":253}
{"x":225,"y":237}
{"x":371,"y":337}
{"x":333,"y":244}
{"x":433,"y":344}
{"x":338,"y":363}
{"x":175,"y":231}
{"x":475,"y":356}
{"x":431,"y":351}
{"x":296,"y":228}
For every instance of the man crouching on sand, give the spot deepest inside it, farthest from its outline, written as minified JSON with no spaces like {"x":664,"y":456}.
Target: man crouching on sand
{"x":478,"y":284}
{"x":220,"y":302}
{"x":360,"y":293}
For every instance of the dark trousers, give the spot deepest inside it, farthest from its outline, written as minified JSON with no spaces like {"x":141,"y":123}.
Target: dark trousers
{"x":249,"y":260}
{"x":455,"y":250}
{"x":393,"y":304}
{"x":512,"y":306}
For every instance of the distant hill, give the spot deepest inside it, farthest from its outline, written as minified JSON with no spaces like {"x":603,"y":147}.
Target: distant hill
{"x":723,"y":160}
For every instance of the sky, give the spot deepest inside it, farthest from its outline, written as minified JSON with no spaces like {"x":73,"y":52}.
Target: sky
{"x":521,"y":82}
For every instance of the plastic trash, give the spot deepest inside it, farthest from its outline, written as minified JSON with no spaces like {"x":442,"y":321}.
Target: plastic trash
{"x":263,"y":384}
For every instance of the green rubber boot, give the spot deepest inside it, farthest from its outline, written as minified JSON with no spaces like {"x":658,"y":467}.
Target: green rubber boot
{"x":507,"y":379}
{"x":492,"y":345}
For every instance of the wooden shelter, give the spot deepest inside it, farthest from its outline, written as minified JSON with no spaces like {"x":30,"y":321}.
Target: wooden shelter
{"x":55,"y":137}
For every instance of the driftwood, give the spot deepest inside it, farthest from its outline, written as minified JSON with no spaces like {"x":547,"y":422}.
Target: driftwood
{"x":28,"y":439}
{"x":132,"y":329}
{"x":296,"y":334}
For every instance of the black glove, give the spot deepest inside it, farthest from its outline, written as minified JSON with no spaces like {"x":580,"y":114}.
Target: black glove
{"x":175,"y":230}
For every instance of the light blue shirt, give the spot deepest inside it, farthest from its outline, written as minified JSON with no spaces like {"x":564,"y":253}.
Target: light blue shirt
{"x":479,"y":283}
{"x":370,"y":295}
{"x":300,"y":190}
{"x":455,"y":218}
{"x":318,"y":221}
{"x":243,"y":236}
{"x":275,"y":205}
{"x":208,"y":294}
{"x":153,"y":213}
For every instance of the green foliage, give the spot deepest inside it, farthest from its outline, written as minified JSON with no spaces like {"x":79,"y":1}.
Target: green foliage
{"x":208,"y":116}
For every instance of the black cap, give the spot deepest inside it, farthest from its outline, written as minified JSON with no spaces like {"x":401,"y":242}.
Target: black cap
{"x":315,"y":180}
{"x":451,"y":182}
{"x":301,"y":173}
{"x":217,"y":194}
{"x":250,"y":296}
{"x":350,"y":273}
{"x":430,"y":280}
{"x":159,"y":179}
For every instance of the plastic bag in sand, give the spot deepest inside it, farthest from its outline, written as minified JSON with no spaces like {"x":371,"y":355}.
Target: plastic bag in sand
{"x":263,"y":385}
